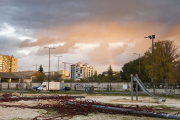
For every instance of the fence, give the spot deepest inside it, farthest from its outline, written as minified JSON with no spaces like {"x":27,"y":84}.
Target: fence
{"x":75,"y":86}
{"x":162,"y":86}
{"x":6,"y":85}
{"x":99,"y":86}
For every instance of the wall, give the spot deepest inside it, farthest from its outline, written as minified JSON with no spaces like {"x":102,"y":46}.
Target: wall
{"x":77,"y":86}
{"x":98,"y":86}
{"x":13,"y":85}
{"x":166,"y":91}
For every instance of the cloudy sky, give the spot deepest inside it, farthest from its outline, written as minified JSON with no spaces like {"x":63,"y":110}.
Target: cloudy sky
{"x":97,"y":32}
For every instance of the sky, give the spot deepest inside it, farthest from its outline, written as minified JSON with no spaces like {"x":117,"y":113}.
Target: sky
{"x":97,"y":32}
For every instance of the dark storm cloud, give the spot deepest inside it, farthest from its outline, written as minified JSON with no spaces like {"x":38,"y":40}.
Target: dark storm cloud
{"x":88,"y":21}
{"x":7,"y":40}
{"x":40,"y":42}
{"x":38,"y":14}
{"x":8,"y":46}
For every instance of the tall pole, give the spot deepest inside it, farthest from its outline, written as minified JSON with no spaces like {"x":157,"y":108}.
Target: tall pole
{"x":139,"y":65}
{"x":136,"y":75}
{"x":139,"y":61}
{"x":49,"y":65}
{"x":58,"y":63}
{"x":49,"y":69}
{"x":64,"y":67}
{"x":152,"y":37}
{"x":2,"y":63}
{"x":153,"y":62}
{"x":36,"y":67}
{"x":131,"y":87}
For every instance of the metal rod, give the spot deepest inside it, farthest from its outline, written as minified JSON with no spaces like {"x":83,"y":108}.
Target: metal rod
{"x":42,"y":97}
{"x":136,"y":91}
{"x":153,"y":62}
{"x":131,"y":111}
{"x":23,"y":88}
{"x":36,"y":67}
{"x":58,"y":64}
{"x":131,"y":87}
{"x":49,"y":69}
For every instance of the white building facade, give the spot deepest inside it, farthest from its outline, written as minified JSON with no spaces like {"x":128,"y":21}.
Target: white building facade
{"x":79,"y":71}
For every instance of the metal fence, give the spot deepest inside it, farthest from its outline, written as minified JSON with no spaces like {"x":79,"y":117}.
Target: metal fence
{"x":162,"y":85}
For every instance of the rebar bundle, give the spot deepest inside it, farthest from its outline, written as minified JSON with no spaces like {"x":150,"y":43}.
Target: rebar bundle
{"x":65,"y":107}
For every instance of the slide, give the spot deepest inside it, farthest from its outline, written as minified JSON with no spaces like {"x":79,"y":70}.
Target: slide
{"x":30,"y":86}
{"x":145,"y":90}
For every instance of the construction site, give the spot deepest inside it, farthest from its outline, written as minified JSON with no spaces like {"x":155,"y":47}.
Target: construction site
{"x":63,"y":105}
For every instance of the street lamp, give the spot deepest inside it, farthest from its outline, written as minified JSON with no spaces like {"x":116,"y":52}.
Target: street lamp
{"x":139,"y":61}
{"x":152,"y":37}
{"x":139,"y":75}
{"x":58,"y":61}
{"x":49,"y":64}
{"x":58,"y":66}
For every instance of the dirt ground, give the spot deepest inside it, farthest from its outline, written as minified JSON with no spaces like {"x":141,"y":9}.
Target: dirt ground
{"x":11,"y":113}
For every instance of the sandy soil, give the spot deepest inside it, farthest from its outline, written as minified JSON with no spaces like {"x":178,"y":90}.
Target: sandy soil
{"x":11,"y":113}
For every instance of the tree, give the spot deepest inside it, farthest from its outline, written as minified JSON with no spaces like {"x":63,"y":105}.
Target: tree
{"x":41,"y":69}
{"x":165,"y":55}
{"x":110,"y":71}
{"x":117,"y":77}
{"x":132,"y":67}
{"x":69,"y":80}
{"x":39,"y":78}
{"x":110,"y":75}
{"x":176,"y":71}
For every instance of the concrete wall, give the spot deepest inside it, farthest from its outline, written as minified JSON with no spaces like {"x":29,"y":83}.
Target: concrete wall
{"x":13,"y":85}
{"x":166,"y":91}
{"x":98,"y":86}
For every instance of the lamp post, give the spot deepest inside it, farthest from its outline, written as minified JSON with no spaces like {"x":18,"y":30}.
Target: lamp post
{"x":58,"y":61}
{"x":139,"y":61}
{"x":36,"y":66}
{"x":49,"y":65}
{"x":139,"y":75}
{"x":152,"y":37}
{"x":58,"y":67}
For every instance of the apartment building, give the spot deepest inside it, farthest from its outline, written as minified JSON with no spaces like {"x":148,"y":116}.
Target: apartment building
{"x":8,"y":63}
{"x":80,"y":70}
{"x":61,"y":72}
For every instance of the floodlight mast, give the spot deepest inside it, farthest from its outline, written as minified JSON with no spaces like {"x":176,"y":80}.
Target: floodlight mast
{"x":152,"y":37}
{"x":49,"y":65}
{"x":58,"y":62}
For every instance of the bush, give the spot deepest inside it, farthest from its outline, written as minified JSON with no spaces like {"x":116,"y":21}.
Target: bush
{"x":16,"y":86}
{"x":107,"y":87}
{"x":8,"y":85}
{"x":75,"y":87}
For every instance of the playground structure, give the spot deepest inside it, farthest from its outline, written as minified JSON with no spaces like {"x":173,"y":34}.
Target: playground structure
{"x":69,"y":106}
{"x":30,"y":86}
{"x":138,"y":82}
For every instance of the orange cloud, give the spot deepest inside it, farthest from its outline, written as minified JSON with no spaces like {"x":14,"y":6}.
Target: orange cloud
{"x":89,"y":32}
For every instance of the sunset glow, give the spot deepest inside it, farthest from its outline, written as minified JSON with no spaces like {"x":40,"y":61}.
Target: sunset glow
{"x":96,"y":32}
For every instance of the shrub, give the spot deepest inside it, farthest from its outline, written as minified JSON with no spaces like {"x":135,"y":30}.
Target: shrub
{"x":8,"y":85}
{"x":16,"y":86}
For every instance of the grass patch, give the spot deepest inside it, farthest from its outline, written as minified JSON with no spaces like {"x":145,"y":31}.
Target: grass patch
{"x":41,"y":111}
